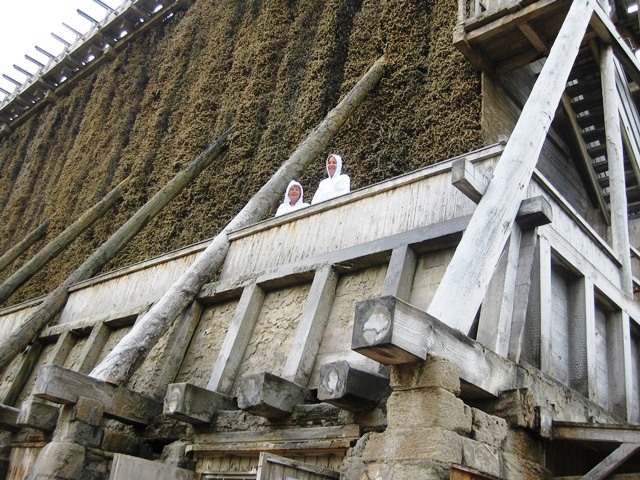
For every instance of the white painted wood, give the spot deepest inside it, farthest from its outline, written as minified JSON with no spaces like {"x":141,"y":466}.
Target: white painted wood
{"x":468,"y":179}
{"x":559,"y":351}
{"x":464,"y":284}
{"x":545,"y":307}
{"x":236,"y":341}
{"x":615,"y":158}
{"x":311,"y":326}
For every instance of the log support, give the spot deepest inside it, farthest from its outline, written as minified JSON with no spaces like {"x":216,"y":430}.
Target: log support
{"x":192,"y":404}
{"x":269,"y":396}
{"x":350,"y":388}
{"x":60,"y":385}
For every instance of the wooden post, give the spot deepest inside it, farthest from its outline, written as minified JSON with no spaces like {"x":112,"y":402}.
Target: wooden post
{"x":57,"y":245}
{"x":55,"y":301}
{"x":118,"y":366}
{"x":465,"y":281}
{"x":18,"y":249}
{"x":615,"y":158}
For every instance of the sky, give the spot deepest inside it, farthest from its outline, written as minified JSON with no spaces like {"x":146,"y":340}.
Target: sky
{"x":27,"y":23}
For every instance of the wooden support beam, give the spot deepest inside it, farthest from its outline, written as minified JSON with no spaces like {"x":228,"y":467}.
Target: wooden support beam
{"x":128,"y":354}
{"x":534,"y":212}
{"x":93,"y":347}
{"x":596,"y":432}
{"x":621,"y":362}
{"x":58,"y":244}
{"x":55,"y":301}
{"x":235,"y":342}
{"x":62,"y":348}
{"x":60,"y":385}
{"x":29,"y":360}
{"x":400,"y":272}
{"x":392,"y":332}
{"x":612,"y":462}
{"x":465,"y":281}
{"x":8,"y":417}
{"x":196,"y":405}
{"x":269,"y":396}
{"x":311,"y":327}
{"x":347,"y":387}
{"x":17,"y":250}
{"x":468,"y":179}
{"x":534,"y":38}
{"x":37,"y":414}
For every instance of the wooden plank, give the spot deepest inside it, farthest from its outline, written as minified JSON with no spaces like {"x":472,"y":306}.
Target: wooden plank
{"x":38,"y":414}
{"x":534,"y":38}
{"x":299,"y":469}
{"x":192,"y":404}
{"x":494,"y":325}
{"x":400,"y":273}
{"x":125,"y":467}
{"x":391,"y":332}
{"x":615,"y":159}
{"x":594,"y":432}
{"x":469,"y":179}
{"x":311,"y":326}
{"x":347,"y":387}
{"x":465,"y":281}
{"x":93,"y":347}
{"x":236,"y":341}
{"x":24,"y":372}
{"x":268,"y":395}
{"x":60,"y":385}
{"x":579,"y":326}
{"x":612,"y":462}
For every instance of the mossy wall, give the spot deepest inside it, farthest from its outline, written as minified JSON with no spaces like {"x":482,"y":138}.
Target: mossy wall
{"x":273,"y":69}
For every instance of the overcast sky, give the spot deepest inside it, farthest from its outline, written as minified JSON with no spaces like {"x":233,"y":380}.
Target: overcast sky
{"x":27,"y":23}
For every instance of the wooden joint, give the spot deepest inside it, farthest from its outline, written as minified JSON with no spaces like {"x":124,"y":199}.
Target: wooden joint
{"x":39,"y":415}
{"x":60,"y":385}
{"x":192,"y":404}
{"x":534,"y":212}
{"x":383,"y":333}
{"x":269,"y":396}
{"x":350,"y":388}
{"x":468,"y":179}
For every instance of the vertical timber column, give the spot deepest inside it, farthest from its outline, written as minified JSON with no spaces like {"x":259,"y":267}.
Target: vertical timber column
{"x":617,"y":186}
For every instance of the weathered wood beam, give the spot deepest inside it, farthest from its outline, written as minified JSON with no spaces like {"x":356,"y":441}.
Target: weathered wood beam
{"x":584,"y":156}
{"x":469,"y":179}
{"x":311,"y":327}
{"x":615,"y":159}
{"x":392,"y":332}
{"x":55,"y":300}
{"x":123,"y":360}
{"x":93,"y":347}
{"x":60,"y":385}
{"x":596,"y":432}
{"x":37,"y":414}
{"x":30,"y":358}
{"x":465,"y":281}
{"x":58,"y":244}
{"x":534,"y":212}
{"x":269,"y":396}
{"x":612,"y":462}
{"x":621,"y":364}
{"x":192,"y":404}
{"x":19,"y":248}
{"x":236,"y":340}
{"x":347,"y":387}
{"x":8,"y":417}
{"x":400,"y":272}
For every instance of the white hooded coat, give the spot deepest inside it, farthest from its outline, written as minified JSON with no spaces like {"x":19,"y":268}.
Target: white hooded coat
{"x":335,"y":186}
{"x":286,"y":207}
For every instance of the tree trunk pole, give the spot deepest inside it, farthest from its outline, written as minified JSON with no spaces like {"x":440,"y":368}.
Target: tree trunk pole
{"x":129,"y":353}
{"x":18,"y":249}
{"x":57,"y":245}
{"x":55,"y":300}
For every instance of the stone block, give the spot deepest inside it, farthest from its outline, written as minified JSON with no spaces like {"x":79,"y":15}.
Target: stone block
{"x":119,"y":442}
{"x":79,"y":432}
{"x":175,"y":454}
{"x":428,"y":407}
{"x":524,"y":444}
{"x":433,"y":372}
{"x":516,"y":468}
{"x":88,"y":410}
{"x":515,"y":406}
{"x":433,"y":444}
{"x":488,"y":429}
{"x":481,"y":457}
{"x":59,"y":461}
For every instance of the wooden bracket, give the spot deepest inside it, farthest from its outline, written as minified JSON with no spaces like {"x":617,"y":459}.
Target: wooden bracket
{"x":534,"y":212}
{"x":468,"y":179}
{"x":269,"y":396}
{"x":346,"y":387}
{"x":60,"y":385}
{"x":192,"y":404}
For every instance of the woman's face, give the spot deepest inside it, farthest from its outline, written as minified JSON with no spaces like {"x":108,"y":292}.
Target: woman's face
{"x":294,"y":194}
{"x":332,"y":164}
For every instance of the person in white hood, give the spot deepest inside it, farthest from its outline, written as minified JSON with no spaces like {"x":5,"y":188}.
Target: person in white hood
{"x":292,"y":199}
{"x":337,"y":184}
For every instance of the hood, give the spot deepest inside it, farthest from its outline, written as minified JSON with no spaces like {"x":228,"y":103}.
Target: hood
{"x":338,"y":168}
{"x":287,"y":200}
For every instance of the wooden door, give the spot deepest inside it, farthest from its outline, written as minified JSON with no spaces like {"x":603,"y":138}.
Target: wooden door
{"x":273,"y":467}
